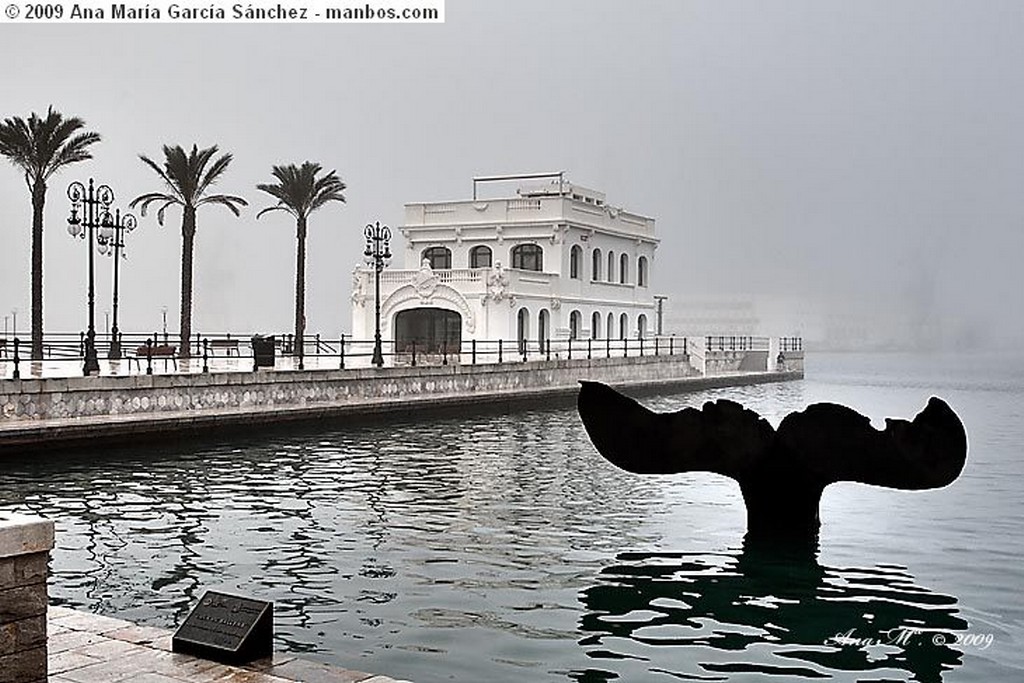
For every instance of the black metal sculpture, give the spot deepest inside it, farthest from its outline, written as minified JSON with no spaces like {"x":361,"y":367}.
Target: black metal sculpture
{"x":781,"y":472}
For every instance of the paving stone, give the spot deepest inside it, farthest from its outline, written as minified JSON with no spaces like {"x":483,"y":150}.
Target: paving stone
{"x":94,"y":623}
{"x":277,"y":659}
{"x":123,"y":668}
{"x":70,"y":659}
{"x":140,"y":635}
{"x":315,"y":672}
{"x":70,"y":640}
{"x":54,"y":612}
{"x":108,"y":648}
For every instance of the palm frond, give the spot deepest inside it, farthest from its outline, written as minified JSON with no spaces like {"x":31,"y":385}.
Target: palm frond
{"x":225,"y":200}
{"x":277,"y":207}
{"x":143,"y":201}
{"x":215,"y":171}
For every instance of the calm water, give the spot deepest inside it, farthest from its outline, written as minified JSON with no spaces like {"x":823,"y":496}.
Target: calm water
{"x":503,"y":548}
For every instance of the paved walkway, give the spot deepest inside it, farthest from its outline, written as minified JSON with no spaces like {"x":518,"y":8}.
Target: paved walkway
{"x":88,"y":648}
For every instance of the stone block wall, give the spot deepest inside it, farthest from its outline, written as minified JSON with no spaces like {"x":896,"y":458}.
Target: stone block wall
{"x":25,"y":544}
{"x":275,"y":391}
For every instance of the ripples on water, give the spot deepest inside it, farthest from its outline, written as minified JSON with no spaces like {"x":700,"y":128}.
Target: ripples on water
{"x":502,"y":548}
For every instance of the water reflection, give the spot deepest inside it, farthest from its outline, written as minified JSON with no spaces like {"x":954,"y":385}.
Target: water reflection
{"x":765,"y":612}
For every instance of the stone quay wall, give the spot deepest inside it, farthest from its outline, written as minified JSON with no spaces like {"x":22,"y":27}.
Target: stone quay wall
{"x":25,"y":544}
{"x":268,"y":390}
{"x":39,"y":414}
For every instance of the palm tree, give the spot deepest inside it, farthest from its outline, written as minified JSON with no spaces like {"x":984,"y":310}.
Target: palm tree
{"x":40,"y":147}
{"x":187,"y":177}
{"x":300,"y":192}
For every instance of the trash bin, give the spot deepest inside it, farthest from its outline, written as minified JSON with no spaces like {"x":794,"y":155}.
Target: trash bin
{"x":263,"y":349}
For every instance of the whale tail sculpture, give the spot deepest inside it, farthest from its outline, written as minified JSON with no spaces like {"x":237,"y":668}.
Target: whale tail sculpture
{"x":781,"y":472}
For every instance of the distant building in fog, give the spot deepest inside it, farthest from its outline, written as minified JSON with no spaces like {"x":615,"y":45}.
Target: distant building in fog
{"x":689,"y":316}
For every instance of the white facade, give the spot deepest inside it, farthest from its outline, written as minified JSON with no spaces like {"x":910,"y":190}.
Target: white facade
{"x":554,"y":262}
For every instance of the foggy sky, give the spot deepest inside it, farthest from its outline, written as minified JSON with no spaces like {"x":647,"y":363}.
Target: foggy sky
{"x":825,"y":157}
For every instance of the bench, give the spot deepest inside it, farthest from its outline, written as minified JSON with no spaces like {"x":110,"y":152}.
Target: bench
{"x":165,"y":351}
{"x":230,"y":346}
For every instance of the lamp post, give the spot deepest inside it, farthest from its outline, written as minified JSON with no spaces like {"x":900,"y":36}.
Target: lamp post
{"x":111,"y":241}
{"x":163,"y":311}
{"x":94,"y":204}
{"x":661,"y":302}
{"x":377,"y":253}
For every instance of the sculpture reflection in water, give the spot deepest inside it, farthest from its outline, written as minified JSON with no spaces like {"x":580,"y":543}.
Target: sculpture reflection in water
{"x":771,"y":609}
{"x":768,"y":613}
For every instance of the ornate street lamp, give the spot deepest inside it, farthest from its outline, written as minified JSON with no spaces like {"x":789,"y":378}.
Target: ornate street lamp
{"x":377,"y":253}
{"x":111,"y":241}
{"x":94,"y":204}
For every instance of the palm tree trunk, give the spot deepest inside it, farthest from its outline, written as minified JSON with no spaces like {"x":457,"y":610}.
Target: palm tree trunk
{"x":300,"y":284}
{"x":188,"y":233}
{"x":38,"y":202}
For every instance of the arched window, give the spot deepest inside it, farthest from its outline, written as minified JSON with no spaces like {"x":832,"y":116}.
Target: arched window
{"x":609,"y":330}
{"x":575,"y":261}
{"x":523,"y":328}
{"x":641,"y":272}
{"x":624,"y":269}
{"x":543,"y":323}
{"x":623,"y":326}
{"x":575,"y":322}
{"x":439,"y":258}
{"x":595,"y":273}
{"x":641,"y":326}
{"x":611,"y":266}
{"x":480,"y":257}
{"x":595,"y":325}
{"x":528,"y":257}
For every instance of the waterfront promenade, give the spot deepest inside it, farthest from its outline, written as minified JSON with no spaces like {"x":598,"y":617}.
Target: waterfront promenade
{"x":89,"y":648}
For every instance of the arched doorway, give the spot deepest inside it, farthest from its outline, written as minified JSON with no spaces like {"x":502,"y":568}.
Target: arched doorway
{"x":431,"y":329}
{"x":543,"y":323}
{"x":523,"y":328}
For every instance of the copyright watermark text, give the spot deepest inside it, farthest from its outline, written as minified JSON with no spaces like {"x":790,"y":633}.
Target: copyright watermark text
{"x":225,"y":11}
{"x":903,"y":636}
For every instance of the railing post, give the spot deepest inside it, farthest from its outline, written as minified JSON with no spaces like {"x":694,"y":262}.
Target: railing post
{"x":341,"y":350}
{"x":524,"y":344}
{"x":569,"y":350}
{"x":547,"y":349}
{"x":589,"y":347}
{"x":149,"y":355}
{"x":17,"y":359}
{"x":625,"y":347}
{"x":607,"y":347}
{"x":414,"y":353}
{"x":686,"y":346}
{"x":672,"y":344}
{"x":499,"y":351}
{"x":81,"y":343}
{"x":641,"y":347}
{"x":656,"y":346}
{"x":444,"y":352}
{"x":474,"y":351}
{"x":206,"y":354}
{"x":198,"y":337}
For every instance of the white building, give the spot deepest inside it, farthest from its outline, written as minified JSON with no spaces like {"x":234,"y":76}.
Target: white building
{"x":555,"y":261}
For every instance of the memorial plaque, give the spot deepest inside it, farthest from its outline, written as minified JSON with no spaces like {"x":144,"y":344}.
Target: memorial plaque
{"x":227,"y":629}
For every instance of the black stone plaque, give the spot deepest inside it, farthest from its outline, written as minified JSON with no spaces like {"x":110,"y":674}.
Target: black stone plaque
{"x":227,"y":629}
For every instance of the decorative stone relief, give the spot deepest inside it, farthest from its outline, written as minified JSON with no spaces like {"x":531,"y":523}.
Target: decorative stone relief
{"x":358,"y":287}
{"x":497,"y":282}
{"x":425,"y":282}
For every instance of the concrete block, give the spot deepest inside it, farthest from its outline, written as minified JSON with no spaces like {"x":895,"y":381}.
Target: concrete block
{"x":24,"y":534}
